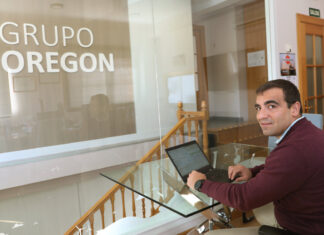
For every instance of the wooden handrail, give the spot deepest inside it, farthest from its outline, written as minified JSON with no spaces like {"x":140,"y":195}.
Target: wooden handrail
{"x":183,"y":118}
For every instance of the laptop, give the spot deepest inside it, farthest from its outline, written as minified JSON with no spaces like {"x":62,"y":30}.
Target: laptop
{"x":189,"y":156}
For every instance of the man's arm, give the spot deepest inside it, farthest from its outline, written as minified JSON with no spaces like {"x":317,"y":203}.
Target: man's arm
{"x":193,"y":177}
{"x":241,"y":173}
{"x":280,"y":176}
{"x":255,"y":170}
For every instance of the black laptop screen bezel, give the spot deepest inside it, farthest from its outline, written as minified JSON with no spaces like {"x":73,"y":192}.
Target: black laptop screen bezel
{"x":184,"y":177}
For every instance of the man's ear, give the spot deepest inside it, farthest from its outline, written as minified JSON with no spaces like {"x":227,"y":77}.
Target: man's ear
{"x":295,"y":109}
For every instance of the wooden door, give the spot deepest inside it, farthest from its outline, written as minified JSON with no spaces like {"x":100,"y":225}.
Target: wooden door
{"x":310,"y":35}
{"x":255,"y":41}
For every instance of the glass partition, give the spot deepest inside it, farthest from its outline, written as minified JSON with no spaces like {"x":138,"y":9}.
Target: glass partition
{"x":91,"y":85}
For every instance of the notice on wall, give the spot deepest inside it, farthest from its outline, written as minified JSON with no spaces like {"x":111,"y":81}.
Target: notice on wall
{"x":256,"y":58}
{"x":287,"y":64}
{"x":288,"y":67}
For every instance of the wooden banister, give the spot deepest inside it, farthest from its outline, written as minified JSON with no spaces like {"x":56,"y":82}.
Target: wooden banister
{"x":186,"y":122}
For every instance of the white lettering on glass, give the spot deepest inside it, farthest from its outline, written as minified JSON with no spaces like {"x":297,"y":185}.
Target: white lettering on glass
{"x":37,"y":61}
{"x":30,"y":34}
{"x":20,"y":59}
{"x":55,"y":37}
{"x":15,"y":34}
{"x":73,"y":63}
{"x":65,"y":36}
{"x":50,"y":62}
{"x":88,"y":62}
{"x":79,"y":39}
{"x":103,"y":61}
{"x":93,"y":62}
{"x":69,"y":61}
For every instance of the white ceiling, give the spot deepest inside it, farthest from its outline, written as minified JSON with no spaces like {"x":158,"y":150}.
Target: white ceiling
{"x":203,"y":9}
{"x":101,"y":9}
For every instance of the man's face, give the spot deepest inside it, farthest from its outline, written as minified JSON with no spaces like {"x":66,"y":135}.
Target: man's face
{"x":273,"y":113}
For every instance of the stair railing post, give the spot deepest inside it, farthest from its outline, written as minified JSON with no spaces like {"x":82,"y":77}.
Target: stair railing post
{"x":180,"y":116}
{"x":204,"y":126}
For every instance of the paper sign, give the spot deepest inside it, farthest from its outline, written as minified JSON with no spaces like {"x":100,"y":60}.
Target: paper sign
{"x":256,"y":58}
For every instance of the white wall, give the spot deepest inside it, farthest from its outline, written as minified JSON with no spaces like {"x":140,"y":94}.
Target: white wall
{"x":220,"y":33}
{"x":281,"y":23}
{"x":55,"y":167}
{"x":224,"y":91}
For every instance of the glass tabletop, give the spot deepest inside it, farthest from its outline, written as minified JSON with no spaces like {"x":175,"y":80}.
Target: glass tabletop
{"x":159,"y":181}
{"x":226,"y":155}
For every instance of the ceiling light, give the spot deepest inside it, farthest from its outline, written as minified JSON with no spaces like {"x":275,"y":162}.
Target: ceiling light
{"x":56,"y":5}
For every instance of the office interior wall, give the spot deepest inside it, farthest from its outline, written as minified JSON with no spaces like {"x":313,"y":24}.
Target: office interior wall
{"x":283,"y":17}
{"x":225,"y":64}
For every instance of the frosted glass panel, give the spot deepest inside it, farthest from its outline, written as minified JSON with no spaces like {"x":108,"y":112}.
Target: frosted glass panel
{"x":311,"y":104}
{"x":310,"y":81}
{"x":309,"y":49}
{"x":319,"y":82}
{"x":318,"y":48}
{"x":81,"y":88}
{"x":320,"y":106}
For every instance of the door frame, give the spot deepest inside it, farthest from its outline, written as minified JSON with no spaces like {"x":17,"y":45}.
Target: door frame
{"x":301,"y":22}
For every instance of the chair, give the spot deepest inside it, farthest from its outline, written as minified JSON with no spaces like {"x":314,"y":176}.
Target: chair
{"x":265,"y":214}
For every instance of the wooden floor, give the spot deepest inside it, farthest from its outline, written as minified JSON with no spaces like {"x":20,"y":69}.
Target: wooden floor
{"x":236,"y":222}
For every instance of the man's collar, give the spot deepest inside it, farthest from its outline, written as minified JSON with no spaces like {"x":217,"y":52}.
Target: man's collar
{"x":284,"y":134}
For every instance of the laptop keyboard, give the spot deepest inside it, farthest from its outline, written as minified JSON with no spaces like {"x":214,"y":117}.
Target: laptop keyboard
{"x":219,"y":175}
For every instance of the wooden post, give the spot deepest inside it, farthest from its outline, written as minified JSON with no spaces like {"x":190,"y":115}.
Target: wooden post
{"x":179,"y":111}
{"x":204,"y":126}
{"x":180,"y":115}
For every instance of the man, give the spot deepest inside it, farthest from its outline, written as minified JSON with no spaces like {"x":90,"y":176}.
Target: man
{"x":293,"y":174}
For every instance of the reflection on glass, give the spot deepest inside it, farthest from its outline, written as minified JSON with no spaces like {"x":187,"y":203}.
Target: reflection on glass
{"x":194,"y":45}
{"x":309,"y":49}
{"x":80,"y":89}
{"x":318,"y":48}
{"x":319,"y":81}
{"x":310,"y":81}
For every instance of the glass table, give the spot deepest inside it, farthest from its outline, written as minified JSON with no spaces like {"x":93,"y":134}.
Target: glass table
{"x":159,"y":181}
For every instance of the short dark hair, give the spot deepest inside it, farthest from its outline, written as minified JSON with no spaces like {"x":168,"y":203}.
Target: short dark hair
{"x":291,"y":93}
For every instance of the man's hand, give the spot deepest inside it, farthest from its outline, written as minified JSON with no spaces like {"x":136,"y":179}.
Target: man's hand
{"x":193,"y":177}
{"x":243,"y":173}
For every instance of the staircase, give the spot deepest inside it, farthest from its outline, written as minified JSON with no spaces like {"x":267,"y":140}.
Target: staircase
{"x":191,"y":125}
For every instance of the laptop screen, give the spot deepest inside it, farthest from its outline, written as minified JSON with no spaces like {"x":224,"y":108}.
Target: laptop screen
{"x":187,"y":157}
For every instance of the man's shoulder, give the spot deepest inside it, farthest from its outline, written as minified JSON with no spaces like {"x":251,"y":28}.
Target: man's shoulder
{"x":305,"y":131}
{"x":284,"y":149}
{"x":302,"y":144}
